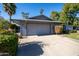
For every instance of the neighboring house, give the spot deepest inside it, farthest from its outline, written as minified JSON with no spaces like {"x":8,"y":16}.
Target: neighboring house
{"x":38,"y":25}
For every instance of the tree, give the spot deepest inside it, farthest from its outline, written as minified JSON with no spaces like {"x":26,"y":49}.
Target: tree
{"x":76,"y":23}
{"x":25,"y":15}
{"x":41,"y":11}
{"x":4,"y":24}
{"x":55,"y":15}
{"x":10,"y":8}
{"x":69,"y":12}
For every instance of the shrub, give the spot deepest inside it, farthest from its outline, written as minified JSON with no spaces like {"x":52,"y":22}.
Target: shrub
{"x":73,"y":31}
{"x":8,"y":43}
{"x":14,"y":27}
{"x":2,"y":31}
{"x":7,"y":32}
{"x":69,"y":31}
{"x":66,"y":31}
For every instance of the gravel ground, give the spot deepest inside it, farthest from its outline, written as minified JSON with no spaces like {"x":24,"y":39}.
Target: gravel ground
{"x":48,"y":45}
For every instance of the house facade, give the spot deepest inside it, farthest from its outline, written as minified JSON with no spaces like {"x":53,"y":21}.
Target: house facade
{"x":38,"y":25}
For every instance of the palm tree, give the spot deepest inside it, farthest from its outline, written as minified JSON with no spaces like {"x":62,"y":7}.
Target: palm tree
{"x":10,"y":8}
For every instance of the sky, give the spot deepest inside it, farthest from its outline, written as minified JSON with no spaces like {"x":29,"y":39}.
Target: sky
{"x":33,"y":9}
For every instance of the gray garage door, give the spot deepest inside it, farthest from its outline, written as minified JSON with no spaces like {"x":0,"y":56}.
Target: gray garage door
{"x":38,"y":29}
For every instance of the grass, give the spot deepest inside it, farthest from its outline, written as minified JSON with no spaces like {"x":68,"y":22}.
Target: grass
{"x":73,"y":35}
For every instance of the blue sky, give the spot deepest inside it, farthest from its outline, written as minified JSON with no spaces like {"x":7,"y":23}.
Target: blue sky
{"x":33,"y":9}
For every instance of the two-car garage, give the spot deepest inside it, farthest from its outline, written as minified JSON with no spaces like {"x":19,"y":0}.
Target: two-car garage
{"x":35,"y":29}
{"x":38,"y":29}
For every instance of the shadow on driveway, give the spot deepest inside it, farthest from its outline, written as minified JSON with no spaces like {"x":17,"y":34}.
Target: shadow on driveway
{"x":30,"y":49}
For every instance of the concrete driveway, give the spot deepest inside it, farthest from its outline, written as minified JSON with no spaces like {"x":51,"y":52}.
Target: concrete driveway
{"x":49,"y":45}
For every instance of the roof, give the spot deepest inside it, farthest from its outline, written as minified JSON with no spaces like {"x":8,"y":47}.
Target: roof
{"x":40,"y":17}
{"x":35,"y":21}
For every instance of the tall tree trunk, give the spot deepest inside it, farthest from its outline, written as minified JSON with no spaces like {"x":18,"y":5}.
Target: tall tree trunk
{"x":10,"y":24}
{"x":10,"y":19}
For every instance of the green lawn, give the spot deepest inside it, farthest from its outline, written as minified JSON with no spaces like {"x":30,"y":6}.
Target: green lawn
{"x":73,"y":35}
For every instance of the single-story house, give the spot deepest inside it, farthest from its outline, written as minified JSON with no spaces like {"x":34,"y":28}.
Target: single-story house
{"x":37,"y":25}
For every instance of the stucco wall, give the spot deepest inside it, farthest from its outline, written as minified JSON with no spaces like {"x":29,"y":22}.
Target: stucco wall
{"x":23,"y":29}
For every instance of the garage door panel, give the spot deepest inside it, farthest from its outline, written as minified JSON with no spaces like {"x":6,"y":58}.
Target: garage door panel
{"x":38,"y":29}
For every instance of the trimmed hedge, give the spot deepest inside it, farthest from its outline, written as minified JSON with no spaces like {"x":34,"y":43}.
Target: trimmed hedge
{"x":8,"y":43}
